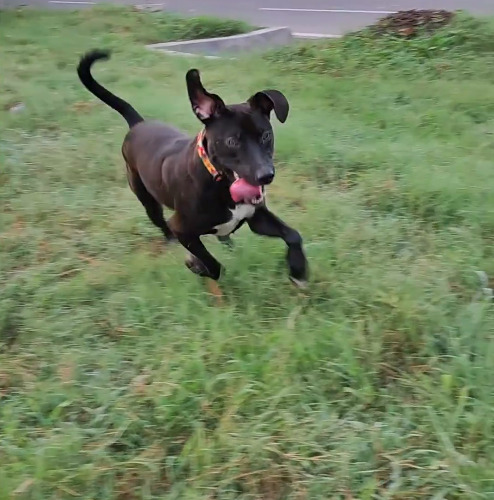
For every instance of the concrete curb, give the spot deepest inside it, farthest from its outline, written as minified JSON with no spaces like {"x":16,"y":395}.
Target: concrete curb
{"x":316,"y":36}
{"x":213,"y":47}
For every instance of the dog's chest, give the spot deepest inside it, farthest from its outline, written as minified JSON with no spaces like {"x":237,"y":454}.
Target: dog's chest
{"x":239,"y":213}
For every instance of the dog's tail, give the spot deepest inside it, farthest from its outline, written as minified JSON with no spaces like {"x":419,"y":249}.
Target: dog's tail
{"x":131,"y":116}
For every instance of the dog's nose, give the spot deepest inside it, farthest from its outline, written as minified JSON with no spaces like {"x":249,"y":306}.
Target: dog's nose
{"x":264,"y":178}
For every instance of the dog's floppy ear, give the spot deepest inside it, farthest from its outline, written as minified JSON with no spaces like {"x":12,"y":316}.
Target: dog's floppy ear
{"x":204,"y":104}
{"x":267,"y":100}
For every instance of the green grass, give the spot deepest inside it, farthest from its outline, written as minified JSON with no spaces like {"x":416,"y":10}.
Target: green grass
{"x":120,"y":379}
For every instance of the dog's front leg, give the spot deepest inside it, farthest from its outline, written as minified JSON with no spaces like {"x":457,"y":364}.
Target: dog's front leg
{"x":226,"y":240}
{"x":200,"y":261}
{"x":266,"y":223}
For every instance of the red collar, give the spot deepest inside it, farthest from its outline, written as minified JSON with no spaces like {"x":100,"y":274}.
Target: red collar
{"x":201,"y":151}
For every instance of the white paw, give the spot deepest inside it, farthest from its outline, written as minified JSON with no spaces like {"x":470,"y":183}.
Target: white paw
{"x":302,"y":284}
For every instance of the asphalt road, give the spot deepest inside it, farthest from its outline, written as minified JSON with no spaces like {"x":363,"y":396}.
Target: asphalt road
{"x":318,"y":17}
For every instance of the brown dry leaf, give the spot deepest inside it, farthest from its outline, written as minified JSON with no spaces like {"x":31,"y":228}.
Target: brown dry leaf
{"x":215,"y":290}
{"x":19,"y":225}
{"x":157,"y":246}
{"x":71,"y":492}
{"x":15,"y":107}
{"x":69,"y":272}
{"x":139,"y":385}
{"x":4,"y":380}
{"x":66,"y":372}
{"x":406,"y":31}
{"x":82,"y":106}
{"x":345,"y":184}
{"x":406,"y":23}
{"x":127,"y":485}
{"x":90,"y":260}
{"x":44,"y":250}
{"x":155,"y":452}
{"x":292,"y":318}
{"x":298,"y":203}
{"x":389,"y":185}
{"x":23,"y":487}
{"x":15,"y":229}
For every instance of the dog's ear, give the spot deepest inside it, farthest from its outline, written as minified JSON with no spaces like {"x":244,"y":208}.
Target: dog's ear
{"x":267,"y":100}
{"x":204,"y":104}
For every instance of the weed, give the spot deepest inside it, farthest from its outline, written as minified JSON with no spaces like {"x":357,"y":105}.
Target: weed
{"x":119,"y":379}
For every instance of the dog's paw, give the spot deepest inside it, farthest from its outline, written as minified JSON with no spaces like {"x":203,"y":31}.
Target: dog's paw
{"x":298,"y":267}
{"x":301,"y":284}
{"x":299,"y":274}
{"x":170,"y":239}
{"x":227,"y":241}
{"x":197,"y":267}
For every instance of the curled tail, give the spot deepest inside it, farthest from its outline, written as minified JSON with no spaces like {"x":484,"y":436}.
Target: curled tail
{"x":131,"y":116}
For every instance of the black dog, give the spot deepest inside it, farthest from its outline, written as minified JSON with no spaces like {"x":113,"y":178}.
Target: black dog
{"x":214,"y":182}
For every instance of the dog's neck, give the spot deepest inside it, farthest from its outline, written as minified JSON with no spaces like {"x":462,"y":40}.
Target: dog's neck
{"x":204,"y":181}
{"x":202,"y":152}
{"x":219,"y":183}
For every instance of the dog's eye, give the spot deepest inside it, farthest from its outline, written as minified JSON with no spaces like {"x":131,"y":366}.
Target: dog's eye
{"x":266,"y":136}
{"x":232,"y":142}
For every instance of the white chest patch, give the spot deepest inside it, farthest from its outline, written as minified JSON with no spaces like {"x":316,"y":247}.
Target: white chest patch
{"x":239,"y":213}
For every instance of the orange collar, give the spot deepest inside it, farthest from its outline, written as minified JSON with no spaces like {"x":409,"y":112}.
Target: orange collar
{"x":201,"y":151}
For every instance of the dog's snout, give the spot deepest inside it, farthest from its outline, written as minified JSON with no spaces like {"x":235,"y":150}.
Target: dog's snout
{"x":265,"y":177}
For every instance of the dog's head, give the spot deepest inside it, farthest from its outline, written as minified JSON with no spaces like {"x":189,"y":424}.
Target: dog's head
{"x":240,"y":140}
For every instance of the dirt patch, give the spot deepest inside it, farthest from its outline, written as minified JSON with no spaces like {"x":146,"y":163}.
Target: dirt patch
{"x":410,"y":23}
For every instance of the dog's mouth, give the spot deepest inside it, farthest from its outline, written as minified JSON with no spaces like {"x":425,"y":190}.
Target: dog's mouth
{"x":242,"y":191}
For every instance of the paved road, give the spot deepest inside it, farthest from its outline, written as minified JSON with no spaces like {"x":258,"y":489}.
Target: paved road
{"x":318,"y":16}
{"x":329,"y":17}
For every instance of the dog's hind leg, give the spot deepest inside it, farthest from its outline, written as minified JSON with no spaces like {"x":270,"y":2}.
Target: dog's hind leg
{"x":199,"y":260}
{"x":153,"y":208}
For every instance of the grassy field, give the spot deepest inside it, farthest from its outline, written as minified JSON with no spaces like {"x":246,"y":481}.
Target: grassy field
{"x":120,"y":379}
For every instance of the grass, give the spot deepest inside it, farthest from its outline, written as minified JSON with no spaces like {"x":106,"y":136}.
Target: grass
{"x":120,"y":379}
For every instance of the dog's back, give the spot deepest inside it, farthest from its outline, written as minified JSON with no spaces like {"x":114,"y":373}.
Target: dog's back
{"x":156,"y":152}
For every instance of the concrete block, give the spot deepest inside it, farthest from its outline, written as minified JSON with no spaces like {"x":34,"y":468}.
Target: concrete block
{"x":255,"y":40}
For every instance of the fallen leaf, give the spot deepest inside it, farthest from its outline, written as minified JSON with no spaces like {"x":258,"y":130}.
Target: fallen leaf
{"x":66,"y":373}
{"x":17,"y":107}
{"x":82,"y":106}
{"x":139,"y":384}
{"x":24,"y":486}
{"x":214,"y":289}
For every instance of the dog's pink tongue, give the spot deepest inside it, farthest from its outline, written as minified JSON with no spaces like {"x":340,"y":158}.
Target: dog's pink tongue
{"x":241,"y":190}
